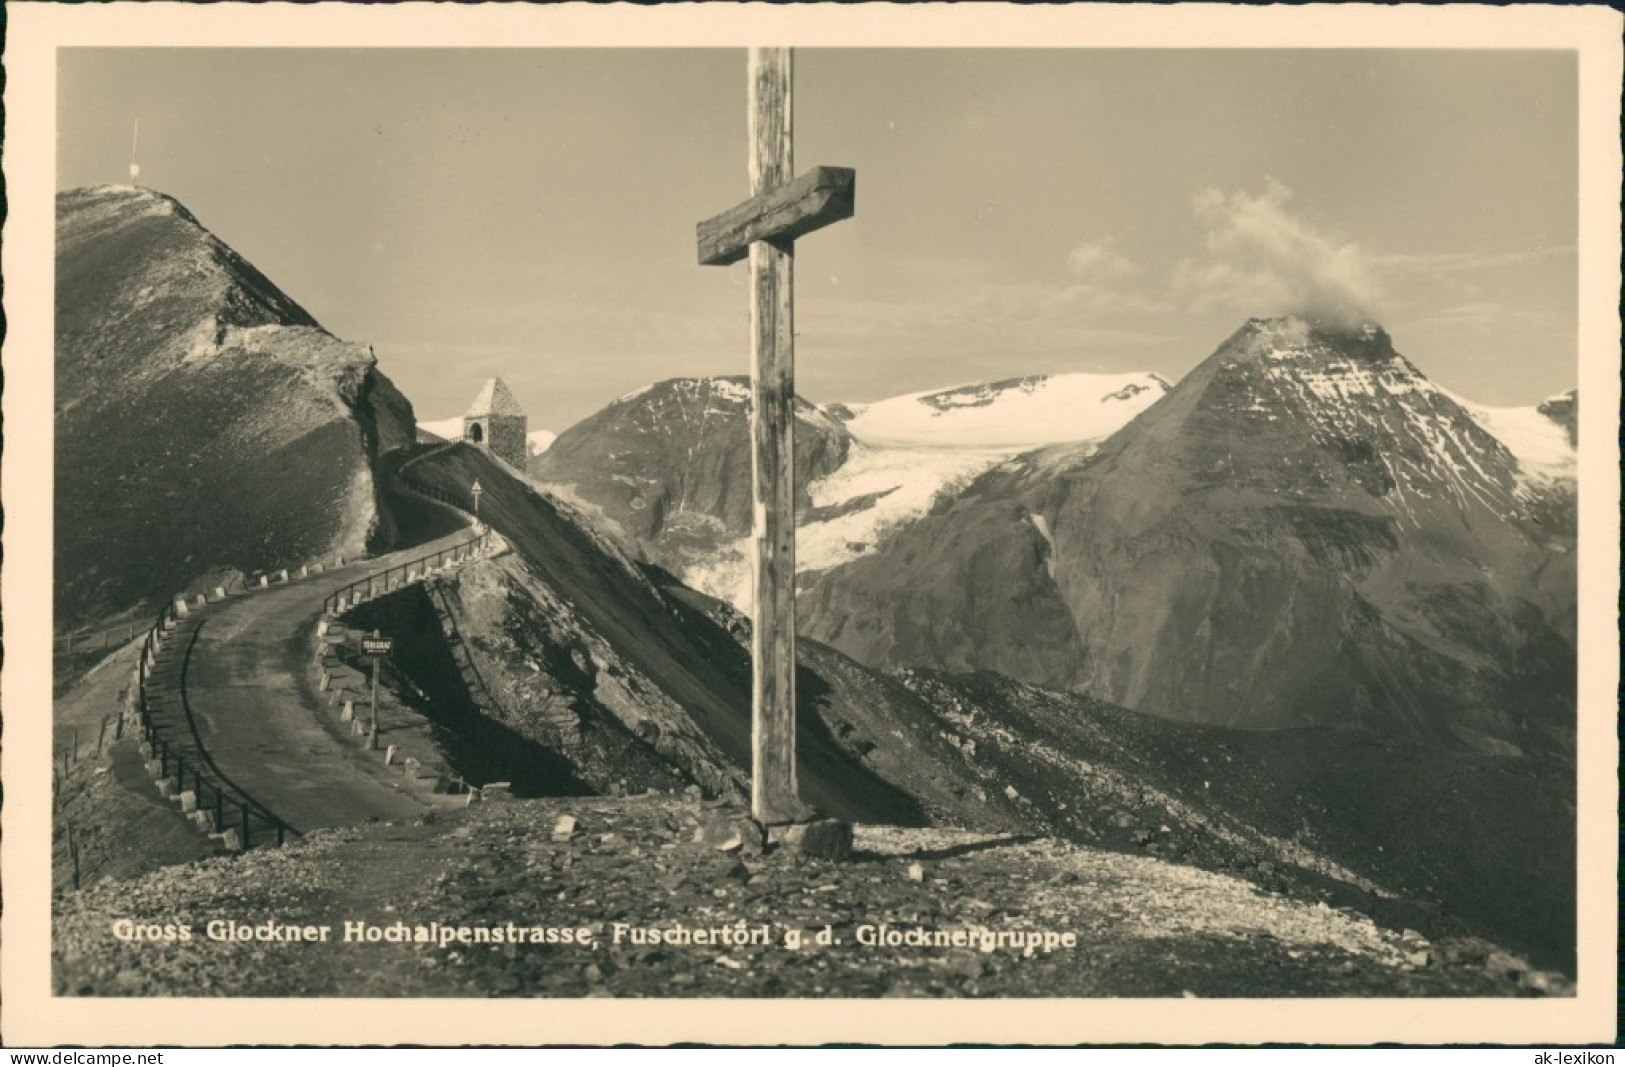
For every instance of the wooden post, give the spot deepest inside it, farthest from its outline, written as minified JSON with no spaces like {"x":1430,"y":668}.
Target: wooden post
{"x":73,"y":854}
{"x":772,"y":454}
{"x":765,"y":227}
{"x":372,"y":733}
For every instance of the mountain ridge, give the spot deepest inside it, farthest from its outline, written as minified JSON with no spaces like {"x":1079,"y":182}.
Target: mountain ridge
{"x":638,"y":683}
{"x":187,"y":385}
{"x":1302,"y":516}
{"x":864,"y":471}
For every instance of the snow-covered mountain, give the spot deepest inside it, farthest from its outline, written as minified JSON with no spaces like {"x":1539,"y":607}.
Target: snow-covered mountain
{"x":446,"y":429}
{"x":1543,"y":444}
{"x":669,"y":465}
{"x":1304,"y":531}
{"x":1015,"y":415}
{"x":909,"y":452}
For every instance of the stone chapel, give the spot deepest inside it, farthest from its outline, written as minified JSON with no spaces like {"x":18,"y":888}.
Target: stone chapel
{"x":496,"y":421}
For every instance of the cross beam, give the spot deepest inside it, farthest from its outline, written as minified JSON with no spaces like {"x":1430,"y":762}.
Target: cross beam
{"x":765,"y":227}
{"x":819,"y":197}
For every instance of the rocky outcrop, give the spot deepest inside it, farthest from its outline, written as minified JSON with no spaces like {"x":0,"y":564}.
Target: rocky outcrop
{"x":669,"y":465}
{"x":206,"y":425}
{"x":1564,"y":409}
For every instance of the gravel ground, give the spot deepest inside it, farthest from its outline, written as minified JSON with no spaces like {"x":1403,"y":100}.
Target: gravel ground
{"x":651,"y":902}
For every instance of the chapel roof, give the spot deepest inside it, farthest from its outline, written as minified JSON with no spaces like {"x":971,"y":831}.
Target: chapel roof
{"x":494,"y":399}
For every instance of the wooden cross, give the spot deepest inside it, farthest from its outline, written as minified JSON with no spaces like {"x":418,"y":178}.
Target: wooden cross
{"x":765,"y":228}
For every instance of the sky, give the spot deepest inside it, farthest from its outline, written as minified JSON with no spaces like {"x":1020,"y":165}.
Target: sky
{"x":530,"y":213}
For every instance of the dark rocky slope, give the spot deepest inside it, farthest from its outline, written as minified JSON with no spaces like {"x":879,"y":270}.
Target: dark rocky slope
{"x":669,"y":465}
{"x":636,"y":683}
{"x":206,"y":425}
{"x":1303,"y":532}
{"x":604,"y":639}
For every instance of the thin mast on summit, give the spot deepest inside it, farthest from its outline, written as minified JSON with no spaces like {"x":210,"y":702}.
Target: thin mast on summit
{"x":135,"y":141}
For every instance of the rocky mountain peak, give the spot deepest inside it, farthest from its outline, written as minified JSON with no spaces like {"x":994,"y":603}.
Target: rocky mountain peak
{"x":691,"y":400}
{"x":1360,"y":357}
{"x":188,"y":387}
{"x":152,"y":254}
{"x":1299,"y":408}
{"x":669,"y":464}
{"x":1304,"y":530}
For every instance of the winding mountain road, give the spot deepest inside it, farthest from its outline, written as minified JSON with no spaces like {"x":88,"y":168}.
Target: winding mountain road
{"x":260,"y":720}
{"x":247,"y":684}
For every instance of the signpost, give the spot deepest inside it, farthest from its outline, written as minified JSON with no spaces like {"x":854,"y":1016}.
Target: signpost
{"x":376,"y":648}
{"x":476,"y":491}
{"x":781,"y":208}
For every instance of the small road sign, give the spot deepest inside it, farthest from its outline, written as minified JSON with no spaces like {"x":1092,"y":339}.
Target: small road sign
{"x":377,"y":646}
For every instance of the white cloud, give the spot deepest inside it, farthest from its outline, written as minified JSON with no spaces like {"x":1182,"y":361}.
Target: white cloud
{"x":1099,"y":260}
